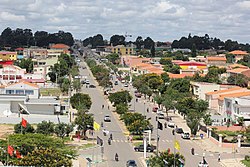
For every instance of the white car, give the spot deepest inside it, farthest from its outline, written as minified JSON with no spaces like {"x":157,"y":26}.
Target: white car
{"x":160,"y":115}
{"x":125,"y":85}
{"x":107,"y":118}
{"x":87,"y":82}
{"x":171,"y":124}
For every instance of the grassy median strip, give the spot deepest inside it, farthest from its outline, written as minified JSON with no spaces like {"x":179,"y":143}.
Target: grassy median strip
{"x":88,"y":145}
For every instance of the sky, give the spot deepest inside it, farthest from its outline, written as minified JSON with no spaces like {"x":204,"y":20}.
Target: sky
{"x":162,"y":20}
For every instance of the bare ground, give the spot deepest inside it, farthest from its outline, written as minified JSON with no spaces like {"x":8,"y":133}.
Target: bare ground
{"x":5,"y":129}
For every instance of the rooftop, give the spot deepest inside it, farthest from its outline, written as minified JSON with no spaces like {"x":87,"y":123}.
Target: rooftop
{"x":238,"y":52}
{"x":60,"y":46}
{"x":216,"y":58}
{"x":238,"y":94}
{"x":223,"y":91}
{"x":238,"y":70}
{"x":232,"y":66}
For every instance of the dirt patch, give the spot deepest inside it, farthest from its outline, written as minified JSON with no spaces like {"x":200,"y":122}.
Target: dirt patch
{"x":5,"y":129}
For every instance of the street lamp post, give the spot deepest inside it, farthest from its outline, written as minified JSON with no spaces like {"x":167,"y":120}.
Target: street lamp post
{"x":144,"y":110}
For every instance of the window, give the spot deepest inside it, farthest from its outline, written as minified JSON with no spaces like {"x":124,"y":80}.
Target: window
{"x":10,"y":91}
{"x":41,"y":69}
{"x":29,"y":92}
{"x":20,"y":92}
{"x":228,"y":104}
{"x":62,"y":107}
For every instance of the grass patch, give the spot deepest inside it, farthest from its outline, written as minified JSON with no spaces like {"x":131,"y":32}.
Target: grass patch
{"x":88,"y":145}
{"x":137,"y":143}
{"x":137,"y":137}
{"x":246,"y":162}
{"x":229,"y":133}
{"x":50,"y":91}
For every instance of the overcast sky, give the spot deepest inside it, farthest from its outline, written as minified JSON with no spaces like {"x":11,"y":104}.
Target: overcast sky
{"x":160,"y":19}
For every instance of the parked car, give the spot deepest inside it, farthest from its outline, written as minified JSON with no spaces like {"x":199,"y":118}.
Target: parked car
{"x":149,"y":148}
{"x":125,"y":85}
{"x":87,"y":82}
{"x":138,"y":95}
{"x":171,"y":124}
{"x":185,"y":135}
{"x":160,"y":116}
{"x":107,"y":118}
{"x":154,"y":109}
{"x":123,"y":81}
{"x":179,"y":130}
{"x":131,"y":163}
{"x":92,"y":86}
{"x":159,"y":111}
{"x":116,"y":82}
{"x":83,"y":82}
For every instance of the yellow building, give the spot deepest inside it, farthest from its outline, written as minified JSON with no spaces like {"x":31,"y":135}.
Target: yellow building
{"x":6,"y":55}
{"x":122,"y":50}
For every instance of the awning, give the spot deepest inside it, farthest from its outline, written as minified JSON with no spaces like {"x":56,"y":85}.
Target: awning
{"x":23,"y":109}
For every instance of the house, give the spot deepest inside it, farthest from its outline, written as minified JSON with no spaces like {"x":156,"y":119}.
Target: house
{"x":216,"y":61}
{"x":133,"y":60}
{"x":35,"y":52}
{"x":191,"y":65}
{"x":12,"y":74}
{"x":121,"y":50}
{"x":176,"y":76}
{"x":236,"y":71}
{"x":233,"y":66}
{"x":24,"y":96}
{"x":212,"y":97}
{"x":59,"y":46}
{"x":145,"y":68}
{"x":199,"y":89}
{"x":235,"y":107}
{"x":7,"y":55}
{"x":239,"y":54}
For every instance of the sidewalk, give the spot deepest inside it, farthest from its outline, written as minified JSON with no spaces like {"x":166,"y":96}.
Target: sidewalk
{"x":232,"y":163}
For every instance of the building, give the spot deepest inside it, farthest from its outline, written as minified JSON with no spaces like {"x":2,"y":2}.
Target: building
{"x":191,"y":65}
{"x":216,"y":61}
{"x":12,"y":74}
{"x":7,"y":55}
{"x":121,"y":50}
{"x":237,"y":107}
{"x":233,"y":66}
{"x":239,"y":54}
{"x":25,"y":96}
{"x":212,"y":97}
{"x":236,"y":71}
{"x":35,"y":52}
{"x":200,"y":89}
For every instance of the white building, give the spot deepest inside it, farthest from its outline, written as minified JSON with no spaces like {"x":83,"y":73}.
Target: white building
{"x":25,"y":96}
{"x":201,"y":88}
{"x":237,"y":107}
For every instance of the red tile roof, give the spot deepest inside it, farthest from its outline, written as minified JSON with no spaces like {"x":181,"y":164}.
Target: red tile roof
{"x":59,"y":46}
{"x":216,"y":58}
{"x":238,"y":52}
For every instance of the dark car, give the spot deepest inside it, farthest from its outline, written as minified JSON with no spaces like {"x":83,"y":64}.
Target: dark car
{"x":149,"y":148}
{"x":116,"y":82}
{"x":138,"y":95}
{"x":131,"y":163}
{"x":83,"y":82}
{"x":179,"y":130}
{"x":92,"y":86}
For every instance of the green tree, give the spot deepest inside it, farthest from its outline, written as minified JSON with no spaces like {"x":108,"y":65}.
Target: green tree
{"x":139,"y":126}
{"x":194,"y":54}
{"x":121,"y":97}
{"x":65,"y":85}
{"x":181,"y":85}
{"x":117,"y":40}
{"x":239,"y":80}
{"x":160,"y":161}
{"x":152,"y":51}
{"x":19,"y":129}
{"x":46,"y":157}
{"x":193,"y":120}
{"x":113,"y":58}
{"x":27,"y":143}
{"x":166,"y":61}
{"x":158,"y":99}
{"x":207,"y":119}
{"x":129,"y":118}
{"x":79,"y":99}
{"x":45,"y":127}
{"x":155,"y":82}
{"x":240,"y":121}
{"x":230,"y":58}
{"x":77,"y":84}
{"x":62,"y":129}
{"x":165,"y":77}
{"x":121,"y":108}
{"x":26,"y":64}
{"x":84,"y":121}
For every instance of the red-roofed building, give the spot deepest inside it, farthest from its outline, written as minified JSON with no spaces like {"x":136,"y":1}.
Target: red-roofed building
{"x":239,"y":54}
{"x":216,"y":61}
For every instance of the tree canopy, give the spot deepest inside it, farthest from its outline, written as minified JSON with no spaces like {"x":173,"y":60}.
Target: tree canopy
{"x":80,"y":99}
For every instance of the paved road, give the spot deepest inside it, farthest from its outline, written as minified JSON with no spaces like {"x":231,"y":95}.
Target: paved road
{"x":167,"y":138}
{"x":120,"y":144}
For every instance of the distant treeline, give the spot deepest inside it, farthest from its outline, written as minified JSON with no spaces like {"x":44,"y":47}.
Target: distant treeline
{"x":190,"y":42}
{"x":205,"y":42}
{"x":25,"y":37}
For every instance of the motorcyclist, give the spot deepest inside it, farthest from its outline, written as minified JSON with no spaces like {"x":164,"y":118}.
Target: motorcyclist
{"x":111,"y":136}
{"x":116,"y":157}
{"x":101,"y":124}
{"x":192,"y":151}
{"x":109,"y":141}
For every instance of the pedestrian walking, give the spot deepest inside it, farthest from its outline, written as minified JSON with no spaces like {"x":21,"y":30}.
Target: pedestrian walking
{"x":165,"y":124}
{"x":108,"y":107}
{"x":102,"y":106}
{"x":219,"y":158}
{"x":147,"y":109}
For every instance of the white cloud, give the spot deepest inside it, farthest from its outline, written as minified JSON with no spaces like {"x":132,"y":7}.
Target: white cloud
{"x":11,"y":17}
{"x":159,"y":19}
